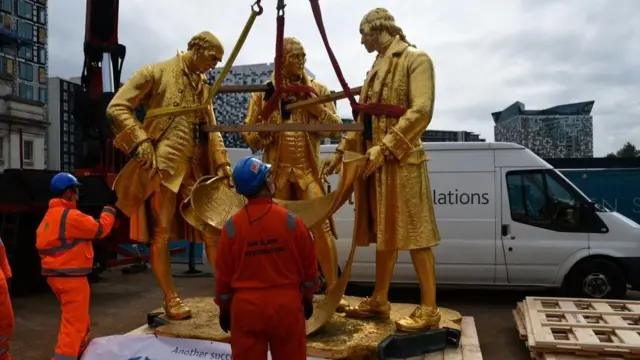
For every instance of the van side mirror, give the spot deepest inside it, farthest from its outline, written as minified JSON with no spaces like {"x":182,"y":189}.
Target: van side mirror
{"x":591,"y":207}
{"x":587,"y":210}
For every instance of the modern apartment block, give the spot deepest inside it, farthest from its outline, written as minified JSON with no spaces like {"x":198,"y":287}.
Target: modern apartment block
{"x":232,"y":108}
{"x":23,"y":83}
{"x":563,"y":131}
{"x":64,"y":135}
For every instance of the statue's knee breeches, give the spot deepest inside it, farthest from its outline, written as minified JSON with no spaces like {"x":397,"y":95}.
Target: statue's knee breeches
{"x":210,"y":240}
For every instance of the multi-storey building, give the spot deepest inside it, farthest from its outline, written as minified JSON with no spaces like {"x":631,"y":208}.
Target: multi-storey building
{"x":232,"y":108}
{"x":65,"y":134}
{"x":23,"y":83}
{"x":558,"y":132}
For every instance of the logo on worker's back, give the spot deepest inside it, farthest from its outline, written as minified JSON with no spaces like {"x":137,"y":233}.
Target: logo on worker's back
{"x":255,"y":166}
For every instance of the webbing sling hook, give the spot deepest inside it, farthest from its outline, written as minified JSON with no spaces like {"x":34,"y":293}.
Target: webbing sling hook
{"x":257,"y":8}
{"x":280,"y":7}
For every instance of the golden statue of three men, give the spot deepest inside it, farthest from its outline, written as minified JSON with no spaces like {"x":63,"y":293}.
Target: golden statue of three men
{"x":393,"y":205}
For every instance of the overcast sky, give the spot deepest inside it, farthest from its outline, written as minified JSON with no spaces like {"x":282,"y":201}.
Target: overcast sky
{"x":487,"y":54}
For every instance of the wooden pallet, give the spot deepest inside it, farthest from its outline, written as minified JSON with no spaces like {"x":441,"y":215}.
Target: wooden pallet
{"x":563,"y":328}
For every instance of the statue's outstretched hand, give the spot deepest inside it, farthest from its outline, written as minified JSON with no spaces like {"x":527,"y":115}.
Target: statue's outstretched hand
{"x":225,"y":171}
{"x":374,"y":161}
{"x":331,"y":165}
{"x":146,"y":155}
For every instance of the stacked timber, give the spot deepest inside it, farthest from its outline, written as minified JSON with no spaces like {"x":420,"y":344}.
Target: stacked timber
{"x":579,"y":329}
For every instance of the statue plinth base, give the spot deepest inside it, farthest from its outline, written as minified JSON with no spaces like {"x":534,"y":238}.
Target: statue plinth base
{"x":340,"y":338}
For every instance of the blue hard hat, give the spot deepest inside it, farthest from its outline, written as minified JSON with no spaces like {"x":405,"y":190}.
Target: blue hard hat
{"x":250,"y":175}
{"x":62,"y":181}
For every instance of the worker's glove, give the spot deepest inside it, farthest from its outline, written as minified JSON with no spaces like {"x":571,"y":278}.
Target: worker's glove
{"x":113,"y":197}
{"x":224,"y":318}
{"x":307,"y":302}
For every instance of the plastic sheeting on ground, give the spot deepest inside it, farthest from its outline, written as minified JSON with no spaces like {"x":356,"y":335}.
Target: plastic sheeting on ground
{"x":151,"y":347}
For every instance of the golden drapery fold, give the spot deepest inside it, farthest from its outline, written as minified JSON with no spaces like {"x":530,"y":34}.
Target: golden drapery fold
{"x":213,"y":202}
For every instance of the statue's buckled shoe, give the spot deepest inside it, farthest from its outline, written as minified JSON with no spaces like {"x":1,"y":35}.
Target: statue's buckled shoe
{"x":368,"y":309}
{"x":422,"y":318}
{"x":176,"y":309}
{"x":343,"y":305}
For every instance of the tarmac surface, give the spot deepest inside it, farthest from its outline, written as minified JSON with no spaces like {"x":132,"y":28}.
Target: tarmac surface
{"x":120,"y":303}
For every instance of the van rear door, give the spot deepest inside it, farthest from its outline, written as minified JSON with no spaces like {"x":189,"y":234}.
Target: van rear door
{"x":540,"y":225}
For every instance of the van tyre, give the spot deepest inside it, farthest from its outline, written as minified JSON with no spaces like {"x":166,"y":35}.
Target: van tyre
{"x":323,"y":285}
{"x":596,"y":279}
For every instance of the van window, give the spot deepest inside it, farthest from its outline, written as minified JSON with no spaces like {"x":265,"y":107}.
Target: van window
{"x":541,"y":199}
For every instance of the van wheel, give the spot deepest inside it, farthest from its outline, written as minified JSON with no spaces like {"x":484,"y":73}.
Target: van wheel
{"x":596,"y":279}
{"x":323,"y":285}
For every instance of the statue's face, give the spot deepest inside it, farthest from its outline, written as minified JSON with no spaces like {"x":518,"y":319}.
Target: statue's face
{"x":369,"y":38}
{"x":205,"y":59}
{"x":294,"y":62}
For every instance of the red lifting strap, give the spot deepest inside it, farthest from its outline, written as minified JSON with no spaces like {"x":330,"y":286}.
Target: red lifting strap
{"x":272,"y":103}
{"x":373,"y":109}
{"x":277,"y":68}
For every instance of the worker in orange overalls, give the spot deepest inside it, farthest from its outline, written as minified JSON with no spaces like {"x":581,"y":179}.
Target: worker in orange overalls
{"x":6,"y":311}
{"x":63,"y":240}
{"x":266,"y":272}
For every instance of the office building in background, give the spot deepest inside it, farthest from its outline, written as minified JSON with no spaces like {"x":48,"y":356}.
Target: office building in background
{"x":23,"y":84}
{"x":563,"y":131}
{"x":65,"y":134}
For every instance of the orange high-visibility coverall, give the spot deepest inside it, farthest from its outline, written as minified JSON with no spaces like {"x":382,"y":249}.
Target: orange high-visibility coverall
{"x":6,"y":311}
{"x":266,"y":263}
{"x":63,"y":240}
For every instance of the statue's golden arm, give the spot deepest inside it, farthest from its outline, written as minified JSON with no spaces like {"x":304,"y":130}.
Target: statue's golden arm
{"x":217,"y":151}
{"x":329,"y":115}
{"x":126,"y":127}
{"x":399,"y":140}
{"x":253,"y":139}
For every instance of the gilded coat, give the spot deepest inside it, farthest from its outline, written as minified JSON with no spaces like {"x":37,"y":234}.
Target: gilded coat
{"x":270,"y":150}
{"x":402,"y":76}
{"x":166,"y":86}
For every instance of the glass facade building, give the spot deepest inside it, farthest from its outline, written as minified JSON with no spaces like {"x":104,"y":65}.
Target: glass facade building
{"x":65,"y":134}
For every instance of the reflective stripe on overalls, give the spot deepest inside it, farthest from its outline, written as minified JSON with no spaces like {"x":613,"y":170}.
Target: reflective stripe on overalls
{"x":63,"y":357}
{"x":66,"y":245}
{"x":231,"y":231}
{"x":4,"y":345}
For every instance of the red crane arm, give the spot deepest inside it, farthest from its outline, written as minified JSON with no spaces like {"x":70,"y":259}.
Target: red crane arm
{"x":102,"y":68}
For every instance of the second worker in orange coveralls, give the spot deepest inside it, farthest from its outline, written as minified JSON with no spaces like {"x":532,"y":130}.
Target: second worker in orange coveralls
{"x":266,"y":272}
{"x":6,"y":311}
{"x":63,"y":240}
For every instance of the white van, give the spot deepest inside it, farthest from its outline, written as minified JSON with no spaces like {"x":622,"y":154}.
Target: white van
{"x":506,"y":217}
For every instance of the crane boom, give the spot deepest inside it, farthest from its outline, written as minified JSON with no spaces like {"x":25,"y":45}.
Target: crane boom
{"x":102,"y":68}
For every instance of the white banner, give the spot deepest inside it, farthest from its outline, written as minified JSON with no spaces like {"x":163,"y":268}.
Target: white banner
{"x":150,"y":347}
